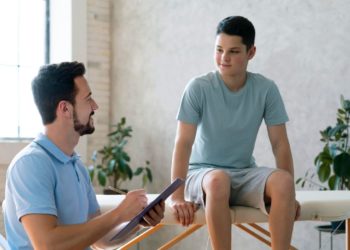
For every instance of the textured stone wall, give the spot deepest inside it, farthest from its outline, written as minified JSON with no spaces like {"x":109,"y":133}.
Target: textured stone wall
{"x":98,"y":68}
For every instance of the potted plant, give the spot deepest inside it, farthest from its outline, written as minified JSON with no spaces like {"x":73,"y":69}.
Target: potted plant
{"x":333,"y":162}
{"x":111,"y":164}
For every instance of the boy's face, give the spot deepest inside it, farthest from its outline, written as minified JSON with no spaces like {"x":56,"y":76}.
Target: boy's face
{"x":231,"y":55}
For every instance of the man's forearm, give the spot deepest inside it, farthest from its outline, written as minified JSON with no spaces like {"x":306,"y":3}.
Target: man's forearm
{"x":44,"y":234}
{"x":106,"y":243}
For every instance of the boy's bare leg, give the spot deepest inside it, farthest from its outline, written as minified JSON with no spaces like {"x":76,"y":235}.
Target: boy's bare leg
{"x":216,"y":185}
{"x":280,"y":190}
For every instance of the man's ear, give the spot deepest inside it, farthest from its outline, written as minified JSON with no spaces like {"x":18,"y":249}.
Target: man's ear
{"x":64,"y":108}
{"x":251,"y":52}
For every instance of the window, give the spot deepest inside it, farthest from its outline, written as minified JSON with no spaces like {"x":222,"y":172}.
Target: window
{"x":23,"y":49}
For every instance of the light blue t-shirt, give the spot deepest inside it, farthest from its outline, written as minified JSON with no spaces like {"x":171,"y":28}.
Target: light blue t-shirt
{"x":228,"y":122}
{"x":41,"y":179}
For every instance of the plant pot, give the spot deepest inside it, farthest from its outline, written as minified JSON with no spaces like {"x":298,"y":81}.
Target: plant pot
{"x":109,"y":191}
{"x":338,"y":225}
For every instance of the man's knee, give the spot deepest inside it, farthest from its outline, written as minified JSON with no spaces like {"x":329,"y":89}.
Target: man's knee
{"x":217,"y":184}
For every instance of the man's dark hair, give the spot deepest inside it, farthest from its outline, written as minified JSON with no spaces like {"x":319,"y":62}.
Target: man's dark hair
{"x":54,"y":83}
{"x":238,"y":26}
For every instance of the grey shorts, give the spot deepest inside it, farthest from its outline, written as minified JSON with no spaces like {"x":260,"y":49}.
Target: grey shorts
{"x":247,"y":186}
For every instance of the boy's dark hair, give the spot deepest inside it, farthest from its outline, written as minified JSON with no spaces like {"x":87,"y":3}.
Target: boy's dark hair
{"x":54,"y":83}
{"x":238,"y":26}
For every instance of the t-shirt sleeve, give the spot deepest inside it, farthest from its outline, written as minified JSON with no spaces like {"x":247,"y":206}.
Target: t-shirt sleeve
{"x":32,"y":184}
{"x":275,"y":112}
{"x":191,"y":104}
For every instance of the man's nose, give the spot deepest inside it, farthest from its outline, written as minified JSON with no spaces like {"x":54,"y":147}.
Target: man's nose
{"x":94,"y":105}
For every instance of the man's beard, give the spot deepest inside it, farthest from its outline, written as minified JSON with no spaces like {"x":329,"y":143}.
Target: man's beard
{"x":81,"y":128}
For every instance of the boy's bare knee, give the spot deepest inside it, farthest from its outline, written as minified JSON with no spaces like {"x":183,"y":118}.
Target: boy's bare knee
{"x":216,"y":183}
{"x":280,"y":185}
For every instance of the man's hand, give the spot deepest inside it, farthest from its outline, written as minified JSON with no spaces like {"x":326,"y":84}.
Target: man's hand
{"x":154,"y":216}
{"x":297,"y":209}
{"x":184,"y":211}
{"x":133,"y":203}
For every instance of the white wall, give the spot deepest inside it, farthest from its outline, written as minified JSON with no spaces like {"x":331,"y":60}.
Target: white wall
{"x":159,"y":45}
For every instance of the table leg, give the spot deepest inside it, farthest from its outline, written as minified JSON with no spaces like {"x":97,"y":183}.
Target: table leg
{"x":181,"y":236}
{"x":347,"y":234}
{"x":141,"y":237}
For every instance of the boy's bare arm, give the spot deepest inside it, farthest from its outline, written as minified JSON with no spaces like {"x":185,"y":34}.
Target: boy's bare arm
{"x":281,"y":148}
{"x":185,"y":135}
{"x":283,"y":155}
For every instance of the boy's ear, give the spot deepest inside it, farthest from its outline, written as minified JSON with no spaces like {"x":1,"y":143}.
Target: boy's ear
{"x":251,"y":52}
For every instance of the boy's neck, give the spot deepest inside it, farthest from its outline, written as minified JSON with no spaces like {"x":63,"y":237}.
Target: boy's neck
{"x":235,"y":83}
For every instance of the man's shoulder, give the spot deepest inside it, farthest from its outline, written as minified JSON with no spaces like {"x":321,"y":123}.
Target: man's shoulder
{"x":31,"y":155}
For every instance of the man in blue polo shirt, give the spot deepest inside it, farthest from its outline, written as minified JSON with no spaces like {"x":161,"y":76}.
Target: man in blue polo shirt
{"x":49,"y":199}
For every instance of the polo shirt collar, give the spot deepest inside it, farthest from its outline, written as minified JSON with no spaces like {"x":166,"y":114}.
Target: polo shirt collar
{"x":55,"y":151}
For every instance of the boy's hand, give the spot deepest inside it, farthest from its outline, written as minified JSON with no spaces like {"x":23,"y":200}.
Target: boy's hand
{"x":154,"y":216}
{"x":183,"y":211}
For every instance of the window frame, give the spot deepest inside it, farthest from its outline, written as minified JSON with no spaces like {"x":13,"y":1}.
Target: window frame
{"x":46,"y":60}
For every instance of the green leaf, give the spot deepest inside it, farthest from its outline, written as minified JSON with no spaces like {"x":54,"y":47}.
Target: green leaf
{"x":342,"y":100}
{"x":324,"y":134}
{"x":111,"y":166}
{"x":102,"y":178}
{"x":122,"y":143}
{"x":91,"y":172}
{"x":144,"y":180}
{"x":342,"y":165}
{"x":138,"y":171}
{"x":338,"y":182}
{"x":341,"y":111}
{"x":94,"y":156}
{"x":298,"y":180}
{"x":149,"y":174}
{"x":347,"y":105}
{"x":324,"y":156}
{"x":324,"y":171}
{"x":317,"y":158}
{"x":123,"y":121}
{"x":331,"y":182}
{"x":126,"y":156}
{"x":337,"y":129}
{"x":128,"y":171}
{"x":122,"y":166}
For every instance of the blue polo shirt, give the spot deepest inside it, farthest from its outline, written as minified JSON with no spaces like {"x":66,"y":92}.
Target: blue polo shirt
{"x":41,"y":179}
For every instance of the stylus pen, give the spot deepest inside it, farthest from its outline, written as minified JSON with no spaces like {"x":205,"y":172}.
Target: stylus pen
{"x":122,"y":192}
